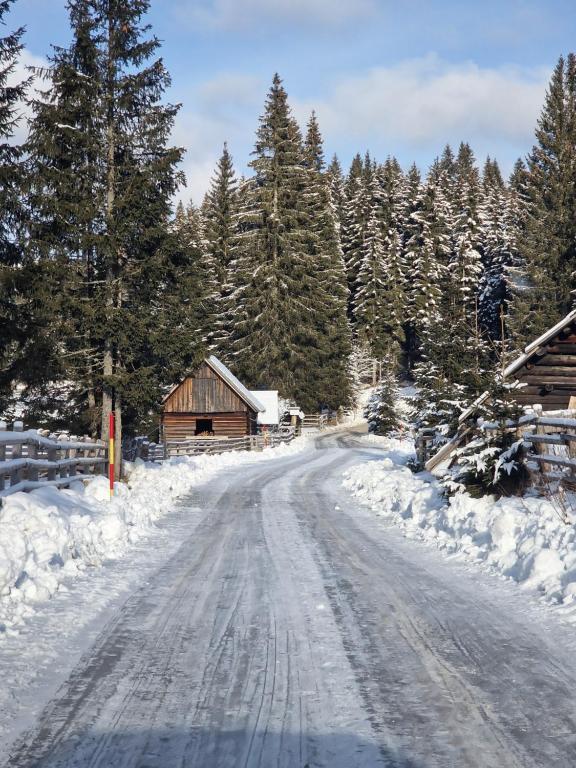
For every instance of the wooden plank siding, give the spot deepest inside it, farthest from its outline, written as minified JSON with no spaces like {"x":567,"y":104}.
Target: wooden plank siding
{"x":178,"y":426}
{"x":205,"y":396}
{"x":204,"y":392}
{"x":550,"y":373}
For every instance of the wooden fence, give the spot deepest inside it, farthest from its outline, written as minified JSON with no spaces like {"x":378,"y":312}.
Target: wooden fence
{"x":199,"y":445}
{"x":551,"y":438}
{"x":30,"y":459}
{"x":314,"y":421}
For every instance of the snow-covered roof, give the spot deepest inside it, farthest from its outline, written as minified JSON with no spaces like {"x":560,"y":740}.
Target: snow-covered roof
{"x":269,"y":399}
{"x":522,"y":359}
{"x":227,"y":375}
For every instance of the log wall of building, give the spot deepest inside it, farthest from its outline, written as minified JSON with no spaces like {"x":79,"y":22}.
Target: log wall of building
{"x":550,"y":374}
{"x":179,"y":426}
{"x":204,"y":392}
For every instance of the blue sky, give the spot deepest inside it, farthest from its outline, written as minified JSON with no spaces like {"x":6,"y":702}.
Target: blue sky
{"x":399,"y":77}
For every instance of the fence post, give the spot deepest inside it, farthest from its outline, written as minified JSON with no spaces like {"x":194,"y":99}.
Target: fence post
{"x":2,"y":454}
{"x":72,"y":467}
{"x":32,"y":473}
{"x":17,"y":474}
{"x":53,"y":457}
{"x":64,"y":473}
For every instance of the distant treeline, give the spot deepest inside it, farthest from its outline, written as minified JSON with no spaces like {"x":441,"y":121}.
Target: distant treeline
{"x":298,"y":277}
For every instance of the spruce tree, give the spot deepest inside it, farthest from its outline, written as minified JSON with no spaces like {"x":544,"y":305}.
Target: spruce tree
{"x":326,"y":258}
{"x":102,"y":175}
{"x":549,"y":240}
{"x":371,"y":281}
{"x":337,"y":193}
{"x":283,"y":294}
{"x":15,"y":331}
{"x":220,"y":212}
{"x":356,"y":210}
{"x":497,"y":233}
{"x":381,"y":411}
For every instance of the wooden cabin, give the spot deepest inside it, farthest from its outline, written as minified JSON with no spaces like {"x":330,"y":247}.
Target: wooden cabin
{"x":546,"y":369}
{"x":211,"y":402}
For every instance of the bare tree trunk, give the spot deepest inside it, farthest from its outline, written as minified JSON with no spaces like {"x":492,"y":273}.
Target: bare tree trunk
{"x":92,"y":411}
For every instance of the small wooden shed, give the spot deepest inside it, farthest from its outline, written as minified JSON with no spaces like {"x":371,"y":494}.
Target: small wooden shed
{"x":209,"y":402}
{"x":546,"y":369}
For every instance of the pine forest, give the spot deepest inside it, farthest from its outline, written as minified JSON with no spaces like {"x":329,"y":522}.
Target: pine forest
{"x":302,"y":276}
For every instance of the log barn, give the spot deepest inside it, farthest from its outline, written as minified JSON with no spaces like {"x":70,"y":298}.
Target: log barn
{"x":209,"y":402}
{"x":547,"y":367}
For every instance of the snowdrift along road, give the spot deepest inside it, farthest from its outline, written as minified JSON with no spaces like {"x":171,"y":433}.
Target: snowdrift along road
{"x":291,"y":627}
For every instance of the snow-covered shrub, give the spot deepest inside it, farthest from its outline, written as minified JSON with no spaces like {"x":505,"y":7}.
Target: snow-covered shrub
{"x":493,"y":460}
{"x":381,"y":410}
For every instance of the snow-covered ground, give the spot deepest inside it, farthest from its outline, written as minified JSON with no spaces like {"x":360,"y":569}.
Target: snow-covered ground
{"x":523,"y":539}
{"x":49,"y":537}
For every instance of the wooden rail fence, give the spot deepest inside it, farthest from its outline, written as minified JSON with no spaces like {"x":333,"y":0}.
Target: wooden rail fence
{"x":198,"y":445}
{"x":552,"y":438}
{"x":30,"y":459}
{"x":314,"y":421}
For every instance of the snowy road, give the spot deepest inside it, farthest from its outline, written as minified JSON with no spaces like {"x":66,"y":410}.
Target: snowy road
{"x":294,"y":628}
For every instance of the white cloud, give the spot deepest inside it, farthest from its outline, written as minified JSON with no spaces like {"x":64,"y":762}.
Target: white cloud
{"x":21,"y":73}
{"x":244,"y":13}
{"x":225,"y":108}
{"x":425,"y":101}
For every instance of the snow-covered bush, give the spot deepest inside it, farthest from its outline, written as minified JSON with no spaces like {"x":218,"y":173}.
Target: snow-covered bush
{"x":493,"y":460}
{"x":381,"y":410}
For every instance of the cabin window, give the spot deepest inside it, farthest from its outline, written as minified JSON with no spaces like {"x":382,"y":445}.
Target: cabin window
{"x":204,"y":427}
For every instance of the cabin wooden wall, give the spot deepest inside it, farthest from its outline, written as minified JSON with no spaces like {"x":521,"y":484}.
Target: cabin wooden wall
{"x":179,"y":426}
{"x":204,"y":392}
{"x":550,"y":374}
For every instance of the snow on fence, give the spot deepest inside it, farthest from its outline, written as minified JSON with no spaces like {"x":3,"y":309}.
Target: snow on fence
{"x":551,"y":436}
{"x":196,"y":445}
{"x":314,"y":421}
{"x":143,"y":448}
{"x":30,"y":459}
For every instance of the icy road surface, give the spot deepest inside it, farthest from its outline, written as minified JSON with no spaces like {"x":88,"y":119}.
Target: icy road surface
{"x":294,"y":628}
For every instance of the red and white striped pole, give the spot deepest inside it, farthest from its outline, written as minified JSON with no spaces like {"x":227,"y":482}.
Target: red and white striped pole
{"x":111,"y":427}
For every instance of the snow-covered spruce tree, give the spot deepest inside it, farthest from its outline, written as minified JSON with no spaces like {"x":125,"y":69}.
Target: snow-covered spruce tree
{"x":495,"y":236}
{"x":548,"y":243}
{"x":520,"y":317}
{"x":465,"y":266}
{"x":371,"y":281}
{"x":356,"y":211}
{"x":16,"y":332}
{"x":379,"y":291}
{"x":454,"y":360}
{"x":333,"y":382}
{"x":337,"y":193}
{"x":492,"y":462}
{"x":422,"y":264}
{"x":197,"y":287}
{"x":102,"y":176}
{"x":284,"y":298}
{"x":381,"y":411}
{"x":220,"y":212}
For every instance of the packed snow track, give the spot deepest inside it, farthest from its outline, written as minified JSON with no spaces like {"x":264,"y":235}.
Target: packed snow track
{"x":295,"y":628}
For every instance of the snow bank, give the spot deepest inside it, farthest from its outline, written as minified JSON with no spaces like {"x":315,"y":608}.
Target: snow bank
{"x":523,"y":539}
{"x":49,"y":535}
